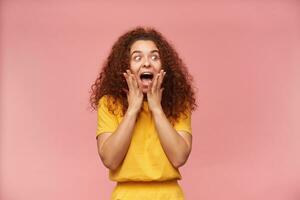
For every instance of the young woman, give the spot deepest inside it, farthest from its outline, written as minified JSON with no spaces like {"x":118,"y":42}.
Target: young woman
{"x":144,"y":98}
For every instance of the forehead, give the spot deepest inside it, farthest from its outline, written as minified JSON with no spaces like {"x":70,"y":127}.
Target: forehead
{"x":143,"y":45}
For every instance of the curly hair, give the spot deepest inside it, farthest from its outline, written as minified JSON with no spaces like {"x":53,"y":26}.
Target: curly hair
{"x":178,"y":95}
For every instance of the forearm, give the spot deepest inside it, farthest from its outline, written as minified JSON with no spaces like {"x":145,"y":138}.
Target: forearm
{"x":173,"y":144}
{"x":116,"y":146}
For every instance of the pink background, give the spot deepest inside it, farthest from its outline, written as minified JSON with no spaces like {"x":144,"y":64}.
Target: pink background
{"x":245,"y":59}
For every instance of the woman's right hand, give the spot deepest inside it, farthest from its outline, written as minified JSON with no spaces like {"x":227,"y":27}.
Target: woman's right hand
{"x":134,"y":95}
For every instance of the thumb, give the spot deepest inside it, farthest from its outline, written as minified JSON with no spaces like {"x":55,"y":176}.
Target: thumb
{"x":148,"y":93}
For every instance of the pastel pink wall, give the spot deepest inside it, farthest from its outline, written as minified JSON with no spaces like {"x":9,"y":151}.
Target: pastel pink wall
{"x":245,"y":59}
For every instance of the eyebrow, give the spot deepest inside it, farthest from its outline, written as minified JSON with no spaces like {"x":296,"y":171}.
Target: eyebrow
{"x":137,"y":51}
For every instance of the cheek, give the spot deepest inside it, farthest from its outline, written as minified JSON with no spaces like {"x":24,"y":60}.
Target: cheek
{"x":134,"y":71}
{"x":133,"y":68}
{"x":157,"y":66}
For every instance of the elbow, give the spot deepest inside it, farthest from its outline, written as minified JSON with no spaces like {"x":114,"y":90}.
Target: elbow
{"x":179,"y":162}
{"x":108,"y":163}
{"x":182,"y":156}
{"x":111,"y":166}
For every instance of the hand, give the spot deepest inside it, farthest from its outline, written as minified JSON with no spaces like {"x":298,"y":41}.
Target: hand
{"x":134,"y":95}
{"x":155,"y":93}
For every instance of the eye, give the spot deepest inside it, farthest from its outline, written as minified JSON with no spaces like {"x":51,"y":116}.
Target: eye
{"x":137,"y":58}
{"x":155,"y":57}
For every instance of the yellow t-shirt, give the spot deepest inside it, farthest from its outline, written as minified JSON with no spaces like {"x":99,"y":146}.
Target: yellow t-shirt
{"x":145,"y":159}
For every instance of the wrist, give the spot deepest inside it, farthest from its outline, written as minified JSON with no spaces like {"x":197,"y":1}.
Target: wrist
{"x":131,"y":113}
{"x":157,"y":111}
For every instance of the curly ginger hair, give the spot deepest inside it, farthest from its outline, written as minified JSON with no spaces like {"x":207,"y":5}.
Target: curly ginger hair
{"x":178,"y":95}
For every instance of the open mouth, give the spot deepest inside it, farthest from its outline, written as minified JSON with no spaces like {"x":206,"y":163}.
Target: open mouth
{"x":146,"y":75}
{"x":146,"y":78}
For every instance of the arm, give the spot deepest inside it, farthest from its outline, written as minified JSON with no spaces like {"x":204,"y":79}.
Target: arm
{"x":112,"y":147}
{"x":177,"y":145}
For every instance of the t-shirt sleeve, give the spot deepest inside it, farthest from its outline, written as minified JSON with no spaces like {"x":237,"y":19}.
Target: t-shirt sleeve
{"x":184,"y":123}
{"x":106,"y":121}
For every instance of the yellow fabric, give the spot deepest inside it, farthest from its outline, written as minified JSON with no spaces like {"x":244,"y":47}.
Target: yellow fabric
{"x":145,"y":159}
{"x":157,"y":190}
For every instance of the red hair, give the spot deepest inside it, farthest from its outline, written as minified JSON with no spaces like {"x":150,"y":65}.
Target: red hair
{"x":178,"y":95}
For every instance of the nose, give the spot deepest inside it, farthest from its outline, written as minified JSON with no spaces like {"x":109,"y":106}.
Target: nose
{"x":146,"y":63}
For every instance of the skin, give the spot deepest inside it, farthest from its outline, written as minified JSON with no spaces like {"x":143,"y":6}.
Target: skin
{"x":144,"y":57}
{"x":112,"y":147}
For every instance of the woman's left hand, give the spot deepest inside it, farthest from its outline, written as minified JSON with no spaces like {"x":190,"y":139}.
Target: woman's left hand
{"x":155,"y":93}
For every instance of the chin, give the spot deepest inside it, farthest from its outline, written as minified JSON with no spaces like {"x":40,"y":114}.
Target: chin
{"x":145,"y":91}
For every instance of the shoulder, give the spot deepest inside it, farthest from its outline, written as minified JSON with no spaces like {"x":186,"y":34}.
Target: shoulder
{"x":110,"y":103}
{"x":106,"y":99}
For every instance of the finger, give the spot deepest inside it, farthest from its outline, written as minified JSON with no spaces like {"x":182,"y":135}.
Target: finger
{"x":125,"y":90}
{"x":148,"y":94}
{"x":129,"y":72}
{"x":160,"y":79}
{"x":140,"y":92}
{"x":164,"y":75}
{"x":126,"y":77}
{"x":153,"y":88}
{"x":134,"y":82}
{"x":161,"y":91}
{"x":128,"y":80}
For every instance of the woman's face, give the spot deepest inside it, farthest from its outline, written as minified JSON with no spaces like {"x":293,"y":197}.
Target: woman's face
{"x":145,"y":62}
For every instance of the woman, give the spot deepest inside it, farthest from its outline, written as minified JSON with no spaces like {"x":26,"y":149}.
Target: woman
{"x":144,"y":98}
